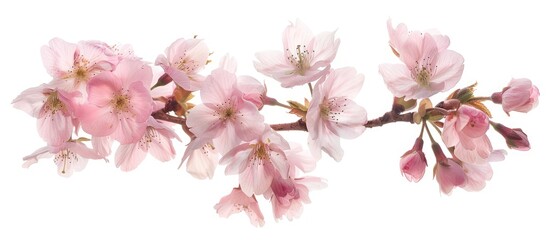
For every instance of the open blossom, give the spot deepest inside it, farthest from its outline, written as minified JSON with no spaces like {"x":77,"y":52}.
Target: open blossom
{"x":519,"y":96}
{"x":53,"y":109}
{"x":429,"y":67}
{"x":258,"y":162}
{"x":306,"y":57}
{"x":332,"y":114}
{"x":73,"y":65}
{"x":184,"y":59}
{"x":224,"y":117}
{"x":119,"y":104}
{"x":289,"y":195}
{"x":237,"y":201}
{"x":465,"y":130}
{"x":157,"y":140}
{"x":69,"y":157}
{"x":413,"y":162}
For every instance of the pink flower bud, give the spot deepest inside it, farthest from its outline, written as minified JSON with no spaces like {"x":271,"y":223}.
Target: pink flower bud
{"x":515,"y":137}
{"x":519,"y":96}
{"x":413,"y":162}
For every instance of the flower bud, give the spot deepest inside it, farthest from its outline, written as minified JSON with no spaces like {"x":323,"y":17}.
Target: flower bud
{"x":413,"y":162}
{"x":519,"y":96}
{"x":515,"y":137}
{"x":163,"y":81}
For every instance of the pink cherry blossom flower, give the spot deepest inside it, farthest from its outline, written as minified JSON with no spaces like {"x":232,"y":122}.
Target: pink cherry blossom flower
{"x":53,"y":109}
{"x":514,"y":137}
{"x":119,"y":104}
{"x":413,"y":162}
{"x":465,"y":130}
{"x":184,"y":59}
{"x":224,"y":116}
{"x":289,"y":195}
{"x":73,"y":65}
{"x":237,"y":201}
{"x":332,"y":113}
{"x":428,"y":68}
{"x":519,"y":96}
{"x":306,"y":57}
{"x":69,"y":157}
{"x":157,"y":140}
{"x":448,"y":172}
{"x":478,"y":174}
{"x":258,"y":162}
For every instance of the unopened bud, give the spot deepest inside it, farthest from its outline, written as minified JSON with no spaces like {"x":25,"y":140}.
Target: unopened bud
{"x":514,"y":137}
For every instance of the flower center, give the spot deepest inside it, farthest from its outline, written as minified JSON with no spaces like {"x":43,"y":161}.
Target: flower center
{"x":226,"y":110}
{"x":53,"y":104}
{"x":423,"y":77}
{"x":331,"y":109}
{"x":80,"y":71}
{"x":301,"y":59}
{"x":121,"y":103}
{"x":66,"y":157}
{"x":186,"y":65}
{"x":150,"y":135}
{"x":423,"y":71}
{"x":260,"y":154}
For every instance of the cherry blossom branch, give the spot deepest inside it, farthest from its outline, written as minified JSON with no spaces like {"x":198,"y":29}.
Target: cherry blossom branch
{"x":390,"y":117}
{"x":297,"y":125}
{"x":161,"y":115}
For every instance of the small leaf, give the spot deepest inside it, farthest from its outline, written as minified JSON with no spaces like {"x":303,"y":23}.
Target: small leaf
{"x":402,"y":105}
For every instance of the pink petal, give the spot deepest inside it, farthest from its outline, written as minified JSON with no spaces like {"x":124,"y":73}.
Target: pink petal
{"x":325,"y":48}
{"x":228,"y":63}
{"x":31,"y":100}
{"x":129,"y":156}
{"x":55,"y":128}
{"x":449,"y":69}
{"x":203,"y":122}
{"x":280,"y":161}
{"x":343,"y":82}
{"x":58,"y":57}
{"x":218,"y":87}
{"x":102,"y":88}
{"x":129,"y":130}
{"x":398,"y":79}
{"x":102,"y":145}
{"x":273,"y":64}
{"x":298,"y":34}
{"x":141,"y":102}
{"x":98,"y":122}
{"x":130,"y":71}
{"x":237,"y":159}
{"x":202,"y":162}
{"x":249,"y":123}
{"x":349,"y":121}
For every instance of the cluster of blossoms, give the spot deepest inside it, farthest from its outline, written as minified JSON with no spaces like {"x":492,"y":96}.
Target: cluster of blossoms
{"x":100,"y":94}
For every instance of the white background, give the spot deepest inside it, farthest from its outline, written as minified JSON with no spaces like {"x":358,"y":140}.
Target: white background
{"x":366,"y":197}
